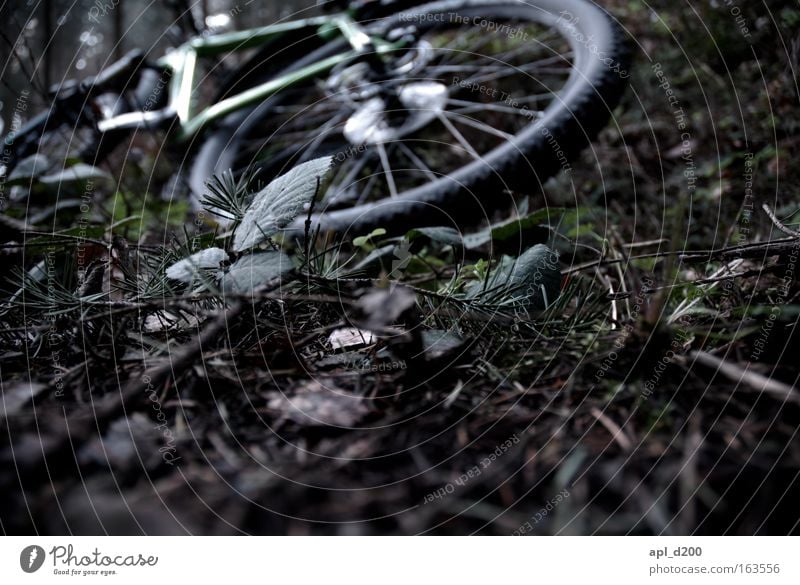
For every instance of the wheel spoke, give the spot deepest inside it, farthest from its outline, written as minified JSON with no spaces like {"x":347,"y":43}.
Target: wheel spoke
{"x":494,"y":106}
{"x":416,"y":160}
{"x":543,"y":39}
{"x":459,"y":137}
{"x":387,"y":169}
{"x":480,"y":106}
{"x":498,"y":63}
{"x":302,"y":107}
{"x":454,"y":54}
{"x":479,"y":79}
{"x":340,"y":187}
{"x":367,"y":188}
{"x":478,"y":125}
{"x":324,"y":132}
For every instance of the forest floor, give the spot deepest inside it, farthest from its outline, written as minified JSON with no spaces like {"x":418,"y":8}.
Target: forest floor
{"x":656,"y":396}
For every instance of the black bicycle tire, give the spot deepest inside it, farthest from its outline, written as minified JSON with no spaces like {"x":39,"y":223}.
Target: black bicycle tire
{"x":469,"y":193}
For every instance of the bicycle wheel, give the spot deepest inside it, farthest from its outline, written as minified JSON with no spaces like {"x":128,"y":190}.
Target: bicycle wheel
{"x":494,"y":94}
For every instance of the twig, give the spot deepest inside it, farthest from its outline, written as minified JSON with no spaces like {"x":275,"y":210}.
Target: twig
{"x":616,"y":432}
{"x":28,"y":73}
{"x":77,"y":239}
{"x":645,"y":243}
{"x":752,"y":379}
{"x":689,"y":476}
{"x":15,"y":225}
{"x":307,"y":227}
{"x":778,"y":223}
{"x":745,"y":274}
{"x":756,"y":250}
{"x":686,"y":305}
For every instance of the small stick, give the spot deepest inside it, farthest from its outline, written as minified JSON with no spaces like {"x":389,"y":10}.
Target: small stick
{"x":307,"y":231}
{"x":752,"y":379}
{"x":778,"y":223}
{"x":616,"y":432}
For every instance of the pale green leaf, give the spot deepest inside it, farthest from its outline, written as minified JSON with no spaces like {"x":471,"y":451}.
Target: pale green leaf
{"x":531,"y":281}
{"x":254,"y":270}
{"x":79,"y":173}
{"x":190,"y":268}
{"x":29,"y":168}
{"x":279,"y":203}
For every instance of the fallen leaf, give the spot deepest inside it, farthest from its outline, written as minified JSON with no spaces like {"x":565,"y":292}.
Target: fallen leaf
{"x":253,"y":270}
{"x":79,"y":173}
{"x":29,"y":168}
{"x":15,"y":397}
{"x":168,"y":321}
{"x":315,"y":405}
{"x":531,"y":281}
{"x":350,"y":337}
{"x":131,"y":442}
{"x":189,"y":269}
{"x":382,"y":308}
{"x":438,"y":342}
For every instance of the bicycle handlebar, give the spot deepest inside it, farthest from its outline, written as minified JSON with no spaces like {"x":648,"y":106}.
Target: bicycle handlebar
{"x":72,"y":105}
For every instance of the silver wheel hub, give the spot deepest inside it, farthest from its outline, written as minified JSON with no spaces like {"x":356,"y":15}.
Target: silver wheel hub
{"x":373,"y":123}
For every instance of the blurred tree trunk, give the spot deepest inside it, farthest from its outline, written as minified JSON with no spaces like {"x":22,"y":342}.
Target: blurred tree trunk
{"x":47,"y":34}
{"x":119,"y":31}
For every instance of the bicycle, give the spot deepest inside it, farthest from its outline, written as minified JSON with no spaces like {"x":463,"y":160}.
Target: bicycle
{"x":433,"y":111}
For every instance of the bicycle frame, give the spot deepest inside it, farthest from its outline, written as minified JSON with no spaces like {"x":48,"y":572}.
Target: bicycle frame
{"x":182,"y":63}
